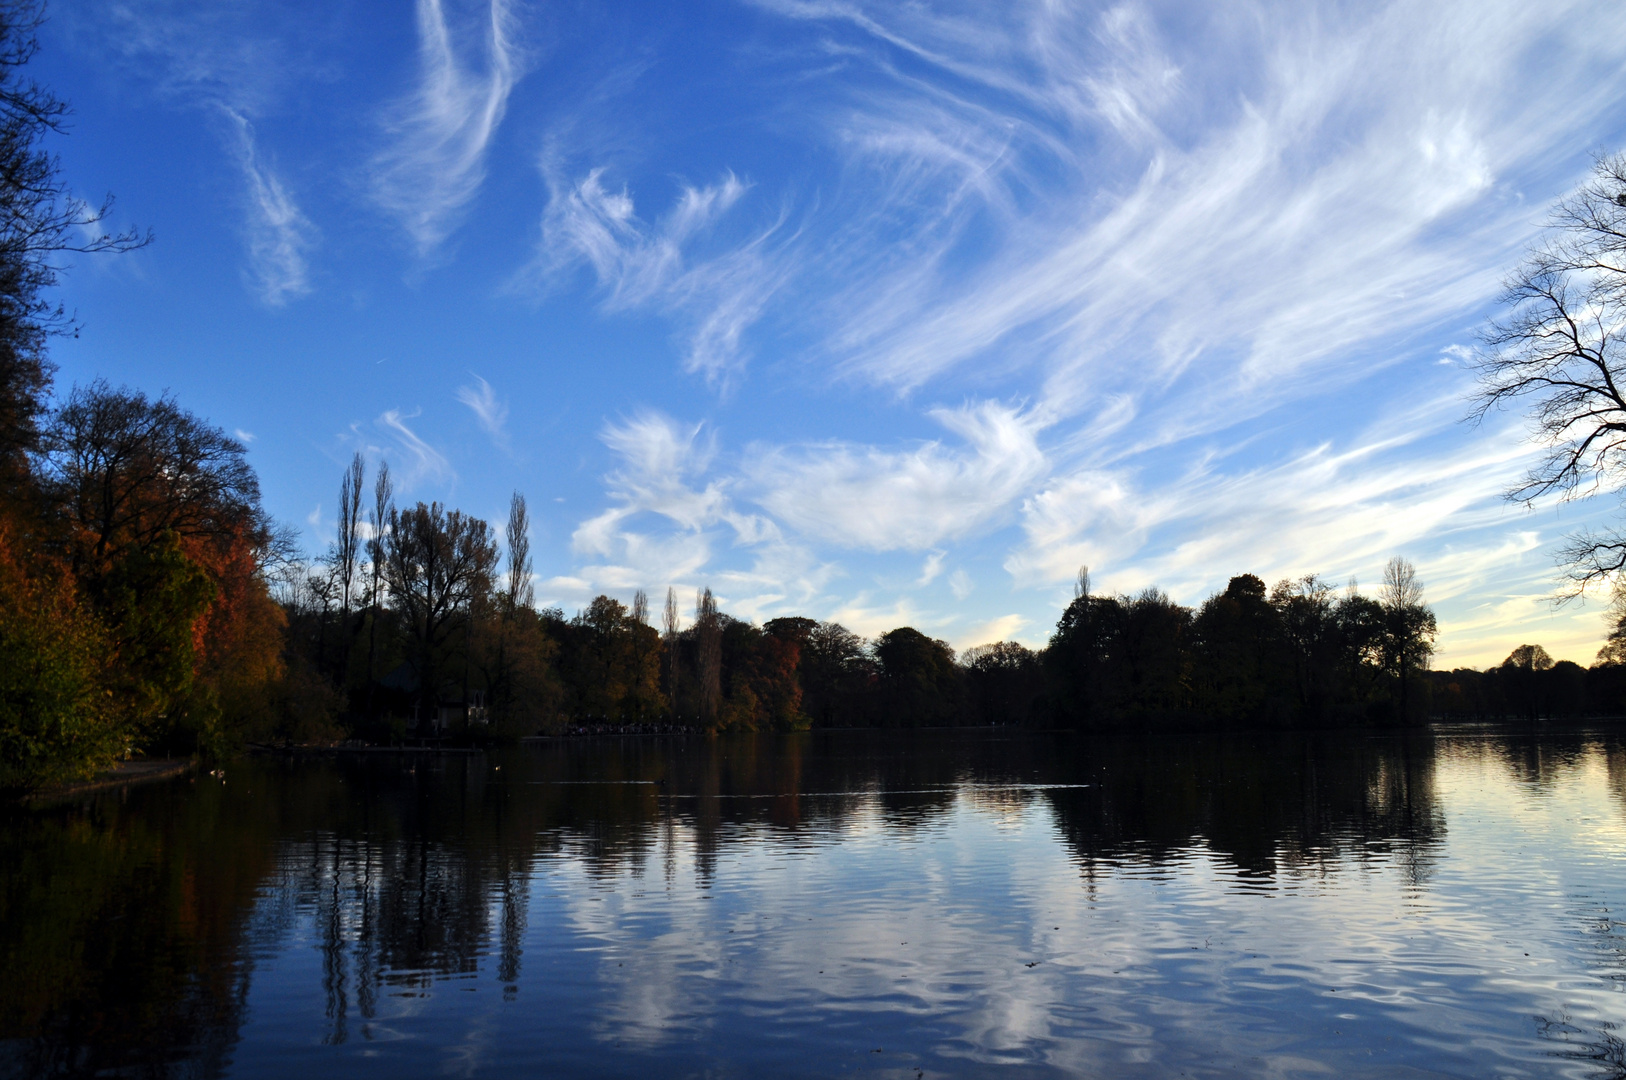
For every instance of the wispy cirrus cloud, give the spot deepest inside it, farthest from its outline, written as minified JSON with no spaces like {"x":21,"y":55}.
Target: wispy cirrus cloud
{"x":489,"y":412}
{"x":717,"y":293}
{"x":233,"y":63}
{"x":660,"y":462}
{"x":278,"y":234}
{"x":1205,"y":235}
{"x":417,"y":461}
{"x":441,"y":133}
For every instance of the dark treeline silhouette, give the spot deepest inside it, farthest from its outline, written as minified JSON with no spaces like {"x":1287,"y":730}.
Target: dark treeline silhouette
{"x":1297,"y":655}
{"x":1530,"y":685}
{"x":422,"y":628}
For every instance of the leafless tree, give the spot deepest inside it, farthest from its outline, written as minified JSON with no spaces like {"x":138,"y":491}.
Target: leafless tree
{"x":1409,"y":625}
{"x":347,"y":545}
{"x":40,"y":223}
{"x":1400,"y":585}
{"x":1558,"y":354}
{"x":320,"y":588}
{"x":383,"y":507}
{"x":640,"y":607}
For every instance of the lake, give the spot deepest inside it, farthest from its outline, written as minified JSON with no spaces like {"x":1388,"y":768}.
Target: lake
{"x":878,"y":904}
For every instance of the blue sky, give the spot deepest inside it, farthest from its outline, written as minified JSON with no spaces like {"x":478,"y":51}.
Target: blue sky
{"x":893,"y":314}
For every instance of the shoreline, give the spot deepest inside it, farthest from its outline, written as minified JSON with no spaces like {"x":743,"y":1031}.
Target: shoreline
{"x":123,"y":774}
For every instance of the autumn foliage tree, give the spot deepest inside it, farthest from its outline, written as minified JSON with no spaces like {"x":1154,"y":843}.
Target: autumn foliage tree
{"x":138,"y":582}
{"x":157,"y":513}
{"x":57,"y":716}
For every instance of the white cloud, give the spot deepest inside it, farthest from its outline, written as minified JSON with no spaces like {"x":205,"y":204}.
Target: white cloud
{"x":864,"y":497}
{"x":1002,"y":628}
{"x":1164,"y":239}
{"x":491,"y":413}
{"x":243,"y":436}
{"x":869,"y":618}
{"x":1185,"y":231}
{"x":420,"y":462}
{"x":718,"y":294}
{"x":669,"y":520}
{"x":442,"y":133}
{"x":1335,"y":510}
{"x":660,"y":459}
{"x":230,"y":62}
{"x":277,"y":232}
{"x":1325,"y":510}
{"x":1198,"y":235}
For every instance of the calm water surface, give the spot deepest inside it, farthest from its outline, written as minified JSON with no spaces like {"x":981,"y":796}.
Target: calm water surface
{"x":905,"y":905}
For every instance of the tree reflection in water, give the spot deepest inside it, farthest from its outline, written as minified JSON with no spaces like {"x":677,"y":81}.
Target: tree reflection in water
{"x":130,"y":924}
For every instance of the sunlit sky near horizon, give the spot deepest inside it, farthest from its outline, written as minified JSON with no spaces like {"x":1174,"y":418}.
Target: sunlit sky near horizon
{"x":891,"y":314}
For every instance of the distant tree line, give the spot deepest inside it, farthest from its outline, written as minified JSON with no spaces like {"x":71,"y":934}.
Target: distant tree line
{"x":1531,"y":685}
{"x":415,"y":624}
{"x":151,"y":606}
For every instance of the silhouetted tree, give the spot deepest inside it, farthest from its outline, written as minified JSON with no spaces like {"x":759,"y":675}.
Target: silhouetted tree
{"x":514,"y":655}
{"x":383,"y":507}
{"x":1313,"y":647}
{"x":1409,"y":628}
{"x":1238,"y":652}
{"x":40,"y":222}
{"x":159,"y":516}
{"x":708,"y":635}
{"x":520,"y":592}
{"x":671,"y":652}
{"x":1558,"y":353}
{"x":611,"y":664}
{"x":920,"y":684}
{"x":346,"y":555}
{"x":1005,"y":683}
{"x":1152,"y":654}
{"x":838,"y":673}
{"x":125,"y":470}
{"x":1522,"y":680}
{"x":1078,"y":657}
{"x":439,"y":564}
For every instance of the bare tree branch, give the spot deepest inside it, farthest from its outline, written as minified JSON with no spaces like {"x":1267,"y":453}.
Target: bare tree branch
{"x":1557,"y":355}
